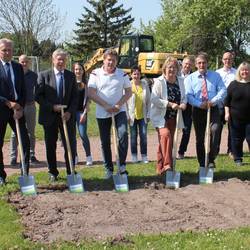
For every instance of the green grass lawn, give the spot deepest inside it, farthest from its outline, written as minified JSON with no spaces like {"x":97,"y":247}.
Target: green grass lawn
{"x":11,"y":231}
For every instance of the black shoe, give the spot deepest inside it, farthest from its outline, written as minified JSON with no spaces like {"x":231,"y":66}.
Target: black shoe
{"x":13,"y":162}
{"x":33,"y":159}
{"x":211,"y":165}
{"x":2,"y":181}
{"x":238,"y":163}
{"x":52,"y":178}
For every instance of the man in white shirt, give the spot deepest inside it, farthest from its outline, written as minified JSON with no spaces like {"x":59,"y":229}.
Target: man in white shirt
{"x":110,"y":88}
{"x":227,"y":73}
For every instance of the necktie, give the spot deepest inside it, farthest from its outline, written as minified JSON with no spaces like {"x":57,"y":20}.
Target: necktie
{"x":204,"y":89}
{"x":60,"y":92}
{"x":10,"y":84}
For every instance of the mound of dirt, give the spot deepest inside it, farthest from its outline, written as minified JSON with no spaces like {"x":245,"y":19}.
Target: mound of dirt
{"x":57,"y":214}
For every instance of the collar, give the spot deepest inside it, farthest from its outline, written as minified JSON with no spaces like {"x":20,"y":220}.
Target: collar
{"x":56,"y":71}
{"x":3,"y":62}
{"x":106,"y":73}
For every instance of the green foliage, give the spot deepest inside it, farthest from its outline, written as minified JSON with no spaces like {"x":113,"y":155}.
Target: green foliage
{"x":212,"y":26}
{"x":100,"y":26}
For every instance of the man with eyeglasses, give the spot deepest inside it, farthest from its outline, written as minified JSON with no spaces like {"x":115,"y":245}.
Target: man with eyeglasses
{"x":227,"y":73}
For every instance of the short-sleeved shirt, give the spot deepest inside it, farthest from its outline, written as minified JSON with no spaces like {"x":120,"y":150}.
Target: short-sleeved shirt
{"x":109,"y":87}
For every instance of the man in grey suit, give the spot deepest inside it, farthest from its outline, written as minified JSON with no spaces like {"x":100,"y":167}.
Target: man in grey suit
{"x":57,"y":87}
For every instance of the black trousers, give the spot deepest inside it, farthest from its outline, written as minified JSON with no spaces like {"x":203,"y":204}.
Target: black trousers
{"x":186,"y":131}
{"x":51,"y":137}
{"x":200,"y":121}
{"x":24,"y":137}
{"x":240,"y":130}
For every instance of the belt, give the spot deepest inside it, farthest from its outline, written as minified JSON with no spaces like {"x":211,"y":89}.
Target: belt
{"x":30,"y":103}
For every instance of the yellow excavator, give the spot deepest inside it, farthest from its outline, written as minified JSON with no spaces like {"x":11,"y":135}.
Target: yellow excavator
{"x":135,"y":50}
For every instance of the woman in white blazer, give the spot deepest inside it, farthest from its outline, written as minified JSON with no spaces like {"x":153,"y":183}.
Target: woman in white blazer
{"x":168,"y":95}
{"x":138,"y":115}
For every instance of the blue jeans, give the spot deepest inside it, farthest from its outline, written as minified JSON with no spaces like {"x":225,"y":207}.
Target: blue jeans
{"x":82,"y":129}
{"x":122,"y":133}
{"x":239,"y":132}
{"x":142,"y":127}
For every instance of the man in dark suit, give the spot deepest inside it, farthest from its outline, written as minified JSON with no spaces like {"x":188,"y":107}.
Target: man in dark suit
{"x":57,"y":87}
{"x":12,"y":99}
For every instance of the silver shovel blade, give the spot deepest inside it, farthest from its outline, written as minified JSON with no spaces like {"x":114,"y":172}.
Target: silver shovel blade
{"x":206,"y":176}
{"x":121,"y":182}
{"x":173,"y":179}
{"x":75,"y":183}
{"x":27,"y":185}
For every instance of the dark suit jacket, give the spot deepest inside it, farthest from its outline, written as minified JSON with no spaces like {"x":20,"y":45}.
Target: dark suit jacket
{"x":46,"y":95}
{"x":19,"y":86}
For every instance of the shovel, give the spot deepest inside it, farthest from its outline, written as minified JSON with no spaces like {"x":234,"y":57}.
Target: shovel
{"x":120,"y":180}
{"x":173,"y":177}
{"x":26,"y":182}
{"x":206,"y":174}
{"x":74,"y":180}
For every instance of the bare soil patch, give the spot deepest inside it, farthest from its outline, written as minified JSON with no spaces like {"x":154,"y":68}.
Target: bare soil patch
{"x":56,"y":214}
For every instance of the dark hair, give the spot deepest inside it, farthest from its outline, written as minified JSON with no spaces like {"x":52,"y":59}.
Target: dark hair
{"x":136,"y":68}
{"x":84,"y":73}
{"x":202,"y":55}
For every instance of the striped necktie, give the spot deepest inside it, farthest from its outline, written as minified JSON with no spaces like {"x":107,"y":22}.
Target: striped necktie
{"x":204,"y":89}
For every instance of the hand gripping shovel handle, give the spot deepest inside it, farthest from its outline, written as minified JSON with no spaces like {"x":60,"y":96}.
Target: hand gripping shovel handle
{"x":174,"y":150}
{"x":20,"y":146}
{"x":72,"y":168}
{"x":114,"y":134}
{"x":207,"y":142}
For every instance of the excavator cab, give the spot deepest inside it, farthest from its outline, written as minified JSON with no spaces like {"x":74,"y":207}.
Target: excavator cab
{"x":129,"y":48}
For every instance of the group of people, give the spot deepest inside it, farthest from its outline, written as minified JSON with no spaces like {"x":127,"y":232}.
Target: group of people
{"x":225,"y":92}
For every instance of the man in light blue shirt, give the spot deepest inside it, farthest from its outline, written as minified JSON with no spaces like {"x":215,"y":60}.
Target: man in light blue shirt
{"x":215,"y":93}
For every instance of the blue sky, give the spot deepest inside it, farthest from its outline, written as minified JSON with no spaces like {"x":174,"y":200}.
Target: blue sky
{"x":144,"y":10}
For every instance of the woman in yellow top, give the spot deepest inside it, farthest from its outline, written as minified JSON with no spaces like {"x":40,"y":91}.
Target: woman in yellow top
{"x":138,"y":115}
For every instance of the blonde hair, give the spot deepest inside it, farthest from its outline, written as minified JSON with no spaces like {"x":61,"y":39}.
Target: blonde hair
{"x":169,"y":60}
{"x":242,"y":65}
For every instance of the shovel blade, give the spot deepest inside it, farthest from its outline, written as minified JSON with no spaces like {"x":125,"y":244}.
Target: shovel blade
{"x":206,"y":176}
{"x":173,"y":179}
{"x":27,"y":185}
{"x":121,"y":182}
{"x":75,"y":183}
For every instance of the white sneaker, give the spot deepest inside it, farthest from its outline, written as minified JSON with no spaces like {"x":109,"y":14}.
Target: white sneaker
{"x":89,"y":160}
{"x":144,"y":159}
{"x":108,"y":174}
{"x":134,"y":158}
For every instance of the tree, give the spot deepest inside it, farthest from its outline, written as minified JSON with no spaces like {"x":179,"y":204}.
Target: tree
{"x":30,"y":21}
{"x":100,"y":26}
{"x":199,"y":25}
